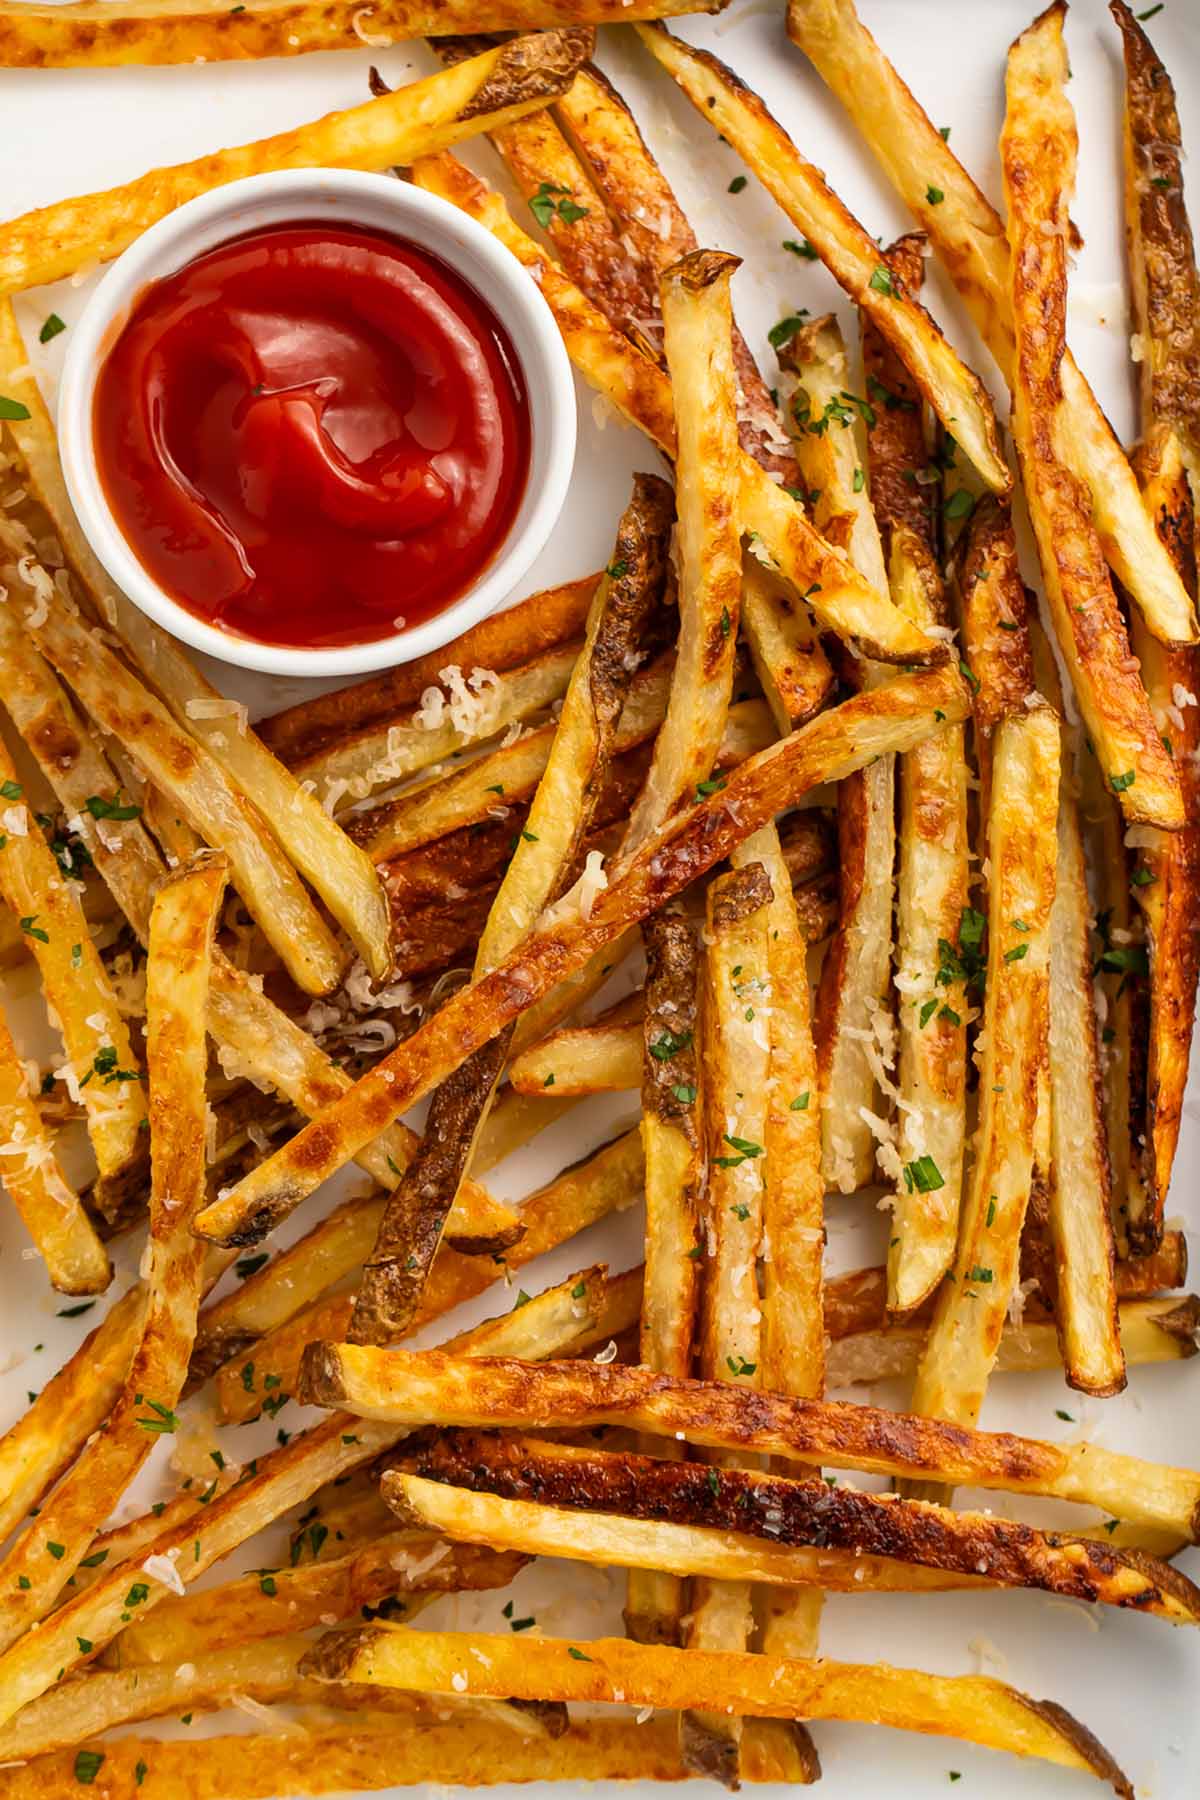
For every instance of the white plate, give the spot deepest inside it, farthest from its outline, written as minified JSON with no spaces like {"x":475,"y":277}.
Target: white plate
{"x":1132,"y":1680}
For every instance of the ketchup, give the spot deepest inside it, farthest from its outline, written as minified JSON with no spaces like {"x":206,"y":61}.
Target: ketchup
{"x":311,"y":434}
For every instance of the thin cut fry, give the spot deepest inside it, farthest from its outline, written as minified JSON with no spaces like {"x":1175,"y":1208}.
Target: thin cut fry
{"x":1152,"y":1331}
{"x":585,"y":1059}
{"x":697,"y":323}
{"x":181,"y":931}
{"x":540,"y":868}
{"x":463,"y":1752}
{"x":852,"y":256}
{"x":932,"y":846}
{"x":973,"y":1706}
{"x":970,"y":1308}
{"x":285,"y":1478}
{"x":640,"y":391}
{"x":993,"y":608}
{"x":96,"y":33}
{"x":968,"y":235}
{"x":94,"y":1034}
{"x":419,"y":120}
{"x":410,"y":1388}
{"x":1038,"y":147}
{"x":735,"y":1514}
{"x":76,"y":1261}
{"x":828,"y":747}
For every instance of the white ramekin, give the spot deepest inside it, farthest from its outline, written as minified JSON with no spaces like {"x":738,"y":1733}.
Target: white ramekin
{"x":343,"y":197}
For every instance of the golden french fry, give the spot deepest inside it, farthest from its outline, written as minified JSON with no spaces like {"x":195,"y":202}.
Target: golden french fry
{"x":968,"y":234}
{"x":417,"y":120}
{"x":969,"y":1706}
{"x":1038,"y":148}
{"x":418,"y":1388}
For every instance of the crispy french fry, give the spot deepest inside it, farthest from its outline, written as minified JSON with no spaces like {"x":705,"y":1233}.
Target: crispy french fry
{"x":829,"y":746}
{"x":735,"y":1012}
{"x":668,"y":1071}
{"x":530,"y":1495}
{"x":408,"y":1388}
{"x":541,"y":866}
{"x":181,"y":931}
{"x":605,"y":1182}
{"x":1079,"y":1197}
{"x":1152,"y":1331}
{"x":174,"y":759}
{"x":848,"y":251}
{"x":993,"y":610}
{"x":787,"y":654}
{"x":970,"y":1309}
{"x":283,"y":1479}
{"x":641,"y":392}
{"x":697,"y":324}
{"x":419,"y":120}
{"x":507,"y":641}
{"x":932,"y":845}
{"x":857,"y":1301}
{"x":76,"y":1261}
{"x":277,"y":1602}
{"x":467,"y":1752}
{"x":92,"y":33}
{"x":94,"y":1034}
{"x":968,"y":235}
{"x":972,"y":1706}
{"x":1038,"y":148}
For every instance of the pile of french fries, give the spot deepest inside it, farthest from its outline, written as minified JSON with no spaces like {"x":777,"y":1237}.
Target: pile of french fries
{"x":807,"y":725}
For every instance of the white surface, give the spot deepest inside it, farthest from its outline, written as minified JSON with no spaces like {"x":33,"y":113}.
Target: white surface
{"x":1133,"y":1680}
{"x":344,"y":197}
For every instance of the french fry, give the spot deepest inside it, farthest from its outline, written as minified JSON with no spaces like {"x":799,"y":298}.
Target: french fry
{"x":787,"y":654}
{"x":993,"y":609}
{"x":857,"y":1301}
{"x":855,"y":973}
{"x":278,"y":1602}
{"x":1165,"y":288}
{"x":932,"y":844}
{"x":968,"y":235}
{"x":284,"y":1478}
{"x":91,"y":33}
{"x":970,"y":1309}
{"x":541,"y":866}
{"x":828,"y":747}
{"x":585,"y":1059}
{"x":410,"y":1388}
{"x":973,"y":1706}
{"x":1038,"y":148}
{"x":735,"y":1012}
{"x":851,"y":255}
{"x":697,"y":324}
{"x":542,"y":1493}
{"x":641,"y":392}
{"x":380,"y":756}
{"x":181,"y":930}
{"x":1152,"y":1331}
{"x":76,"y":1261}
{"x":674,"y":1173}
{"x":1079,"y":1196}
{"x":418,"y":120}
{"x":94,"y":1034}
{"x":605,"y":1182}
{"x":468,"y":1752}
{"x":1168,"y":900}
{"x":506,"y":641}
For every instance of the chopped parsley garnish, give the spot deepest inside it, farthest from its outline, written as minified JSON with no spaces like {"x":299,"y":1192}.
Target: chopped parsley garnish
{"x":786,"y":329}
{"x":923,"y":1176}
{"x":543,"y":205}
{"x":12,"y":409}
{"x":111,"y":809}
{"x":934,"y":195}
{"x":51,"y":328}
{"x":684,"y":1093}
{"x":800,"y":1103}
{"x":960,"y":504}
{"x":577,"y":1654}
{"x":31,"y":928}
{"x":881,"y":281}
{"x":164,"y":1419}
{"x":980,"y":1274}
{"x":740,"y":1366}
{"x":88,"y":1764}
{"x":746,"y":1151}
{"x":737,"y":184}
{"x":803,"y":249}
{"x":669,"y":1043}
{"x":614,"y":571}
